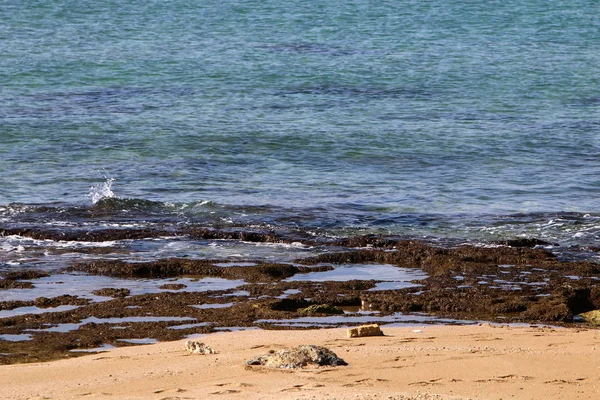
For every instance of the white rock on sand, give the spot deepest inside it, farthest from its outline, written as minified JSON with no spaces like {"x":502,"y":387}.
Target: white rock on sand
{"x":196,"y":347}
{"x":298,"y":357}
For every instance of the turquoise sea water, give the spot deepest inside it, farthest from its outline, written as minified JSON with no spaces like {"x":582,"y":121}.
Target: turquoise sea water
{"x":446,"y":119}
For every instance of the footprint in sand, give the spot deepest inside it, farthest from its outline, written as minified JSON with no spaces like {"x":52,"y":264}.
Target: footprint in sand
{"x":174,"y":390}
{"x":365,"y":382}
{"x":431,"y":382}
{"x":559,"y":344}
{"x":577,"y":381}
{"x":488,"y":339}
{"x":242,"y":384}
{"x":176,"y":398}
{"x":505,"y":378}
{"x":227,"y":391}
{"x":295,"y":388}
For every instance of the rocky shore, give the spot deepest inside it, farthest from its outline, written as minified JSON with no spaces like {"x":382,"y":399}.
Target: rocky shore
{"x":508,"y":282}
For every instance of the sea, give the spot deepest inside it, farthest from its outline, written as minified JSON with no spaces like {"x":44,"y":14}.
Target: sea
{"x":449,"y":121}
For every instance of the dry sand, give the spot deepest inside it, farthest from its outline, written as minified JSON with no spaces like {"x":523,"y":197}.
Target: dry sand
{"x":431,"y":362}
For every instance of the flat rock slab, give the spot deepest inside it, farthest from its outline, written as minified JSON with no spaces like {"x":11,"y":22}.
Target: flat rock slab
{"x":365,"y":330}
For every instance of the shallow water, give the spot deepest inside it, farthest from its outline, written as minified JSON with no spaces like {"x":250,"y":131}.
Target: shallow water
{"x":34,"y":310}
{"x":116,"y":320}
{"x":397,"y":319}
{"x":140,"y":341}
{"x":16,"y":338}
{"x":390,"y":276}
{"x":83,"y":286}
{"x":104,"y":347}
{"x":216,"y":305}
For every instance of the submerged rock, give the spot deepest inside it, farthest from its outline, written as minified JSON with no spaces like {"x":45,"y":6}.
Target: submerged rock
{"x":27,"y":274}
{"x":174,"y":267}
{"x":96,"y":235}
{"x":13,"y":284}
{"x":66,"y":299}
{"x":172,"y":286}
{"x":524,"y":242}
{"x":14,"y":279}
{"x":113,"y":292}
{"x":365,"y":330}
{"x":298,"y":357}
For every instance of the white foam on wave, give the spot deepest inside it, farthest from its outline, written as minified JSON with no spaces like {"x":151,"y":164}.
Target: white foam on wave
{"x":293,"y":245}
{"x":18,"y":243}
{"x":9,"y":247}
{"x":78,"y":244}
{"x":101,"y":191}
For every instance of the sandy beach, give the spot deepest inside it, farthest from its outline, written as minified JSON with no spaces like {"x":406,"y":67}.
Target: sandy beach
{"x":429,"y":362}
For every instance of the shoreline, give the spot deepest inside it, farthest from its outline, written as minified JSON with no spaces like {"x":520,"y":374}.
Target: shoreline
{"x":389,"y":282}
{"x":432,"y":362}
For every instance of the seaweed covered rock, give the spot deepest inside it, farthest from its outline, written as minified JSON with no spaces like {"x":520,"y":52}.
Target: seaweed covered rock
{"x":593,"y":317}
{"x":438,"y":261}
{"x":551,"y":310}
{"x":167,"y":268}
{"x":175,"y":267}
{"x":14,"y":284}
{"x":96,"y":235}
{"x":15,"y":279}
{"x":288,"y":304}
{"x":524,"y":242}
{"x":321,"y":309}
{"x":298,"y":357}
{"x":26,"y":274}
{"x":66,"y":299}
{"x":113,"y":292}
{"x":172,"y":286}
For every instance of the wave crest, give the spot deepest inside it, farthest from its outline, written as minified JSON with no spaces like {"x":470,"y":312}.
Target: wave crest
{"x":101,"y":191}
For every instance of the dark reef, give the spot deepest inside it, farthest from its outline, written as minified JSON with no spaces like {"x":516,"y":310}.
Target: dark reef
{"x":511,"y":281}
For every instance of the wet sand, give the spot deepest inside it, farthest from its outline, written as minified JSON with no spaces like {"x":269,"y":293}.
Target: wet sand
{"x":430,"y":362}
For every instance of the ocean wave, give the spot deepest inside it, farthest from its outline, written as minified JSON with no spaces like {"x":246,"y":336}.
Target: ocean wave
{"x":112,"y":216}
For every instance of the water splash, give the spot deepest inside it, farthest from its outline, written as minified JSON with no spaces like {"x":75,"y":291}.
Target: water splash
{"x":101,"y":191}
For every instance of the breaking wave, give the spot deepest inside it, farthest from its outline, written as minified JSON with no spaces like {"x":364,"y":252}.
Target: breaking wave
{"x":101,"y":191}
